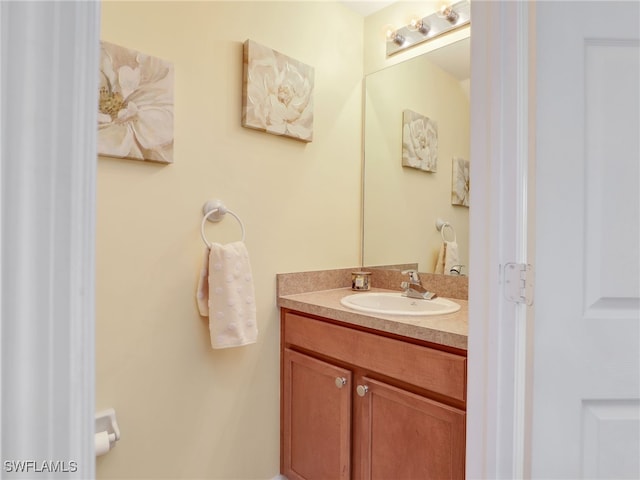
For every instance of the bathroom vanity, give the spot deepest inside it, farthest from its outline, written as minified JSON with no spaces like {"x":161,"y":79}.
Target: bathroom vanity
{"x":370,"y":396}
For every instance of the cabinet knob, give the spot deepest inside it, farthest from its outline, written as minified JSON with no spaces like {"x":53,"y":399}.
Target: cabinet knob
{"x":341,"y":382}
{"x":362,"y":390}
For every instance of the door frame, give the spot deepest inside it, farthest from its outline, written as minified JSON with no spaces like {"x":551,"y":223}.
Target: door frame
{"x":502,"y":105}
{"x":48,"y":79}
{"x":501,"y":225}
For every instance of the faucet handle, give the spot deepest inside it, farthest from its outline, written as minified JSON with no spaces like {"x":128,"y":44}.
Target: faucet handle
{"x":456,"y":270}
{"x":414,"y":277}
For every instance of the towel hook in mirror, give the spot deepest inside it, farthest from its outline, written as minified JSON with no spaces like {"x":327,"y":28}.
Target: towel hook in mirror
{"x":214,"y":211}
{"x":440,"y":225}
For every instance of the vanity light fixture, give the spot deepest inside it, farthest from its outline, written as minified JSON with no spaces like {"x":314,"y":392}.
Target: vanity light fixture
{"x":447,"y":18}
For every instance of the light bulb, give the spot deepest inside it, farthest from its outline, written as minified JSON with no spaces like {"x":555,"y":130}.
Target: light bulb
{"x":388,"y":31}
{"x":414,"y":23}
{"x":447,"y":12}
{"x":418,"y":24}
{"x":392,"y":35}
{"x":441,"y":7}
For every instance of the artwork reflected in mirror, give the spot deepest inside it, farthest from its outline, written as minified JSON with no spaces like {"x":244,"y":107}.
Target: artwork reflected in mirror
{"x":419,"y":141}
{"x":460,"y":182}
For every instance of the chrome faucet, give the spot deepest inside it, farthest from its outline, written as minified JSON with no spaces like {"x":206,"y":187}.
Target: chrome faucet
{"x":413,"y":288}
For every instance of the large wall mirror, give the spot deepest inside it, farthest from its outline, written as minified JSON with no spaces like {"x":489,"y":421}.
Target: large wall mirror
{"x":402,"y":204}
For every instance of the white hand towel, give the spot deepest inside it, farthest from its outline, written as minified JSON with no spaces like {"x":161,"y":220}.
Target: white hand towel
{"x":447,"y":258}
{"x":231,"y":306}
{"x":440,"y":261}
{"x":451,"y":257}
{"x":202,"y":294}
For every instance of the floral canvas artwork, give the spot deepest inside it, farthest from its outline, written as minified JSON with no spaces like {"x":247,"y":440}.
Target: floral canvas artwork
{"x":135,"y":110}
{"x":277,"y":94}
{"x":419,"y":141}
{"x":460,"y":182}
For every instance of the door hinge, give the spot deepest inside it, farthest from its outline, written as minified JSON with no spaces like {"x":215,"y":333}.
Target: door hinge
{"x":518,"y":282}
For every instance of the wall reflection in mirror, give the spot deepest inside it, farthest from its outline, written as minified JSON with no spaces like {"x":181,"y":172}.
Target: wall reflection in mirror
{"x":401,"y":203}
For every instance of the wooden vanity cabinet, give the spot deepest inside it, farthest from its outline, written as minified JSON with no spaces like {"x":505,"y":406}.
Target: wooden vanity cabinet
{"x":408,"y":436}
{"x":317,"y":424}
{"x":360,"y":405}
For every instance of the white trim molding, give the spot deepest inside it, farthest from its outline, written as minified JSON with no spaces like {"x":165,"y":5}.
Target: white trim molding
{"x":49,"y":54}
{"x":499,"y":357}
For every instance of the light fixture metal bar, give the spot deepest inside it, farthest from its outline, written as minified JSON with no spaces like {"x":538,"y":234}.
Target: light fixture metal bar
{"x":437,"y":26}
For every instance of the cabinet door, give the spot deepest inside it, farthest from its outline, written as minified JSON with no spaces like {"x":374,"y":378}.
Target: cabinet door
{"x":316,"y":419}
{"x":408,"y":436}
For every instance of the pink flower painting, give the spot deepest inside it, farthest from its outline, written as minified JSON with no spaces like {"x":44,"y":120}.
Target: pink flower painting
{"x":135,"y":109}
{"x":277,"y":93}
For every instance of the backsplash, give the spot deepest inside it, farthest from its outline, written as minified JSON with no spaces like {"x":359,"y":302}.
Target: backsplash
{"x":301,"y":282}
{"x":451,"y":286}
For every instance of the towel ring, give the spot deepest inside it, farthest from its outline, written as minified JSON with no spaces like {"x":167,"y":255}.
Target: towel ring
{"x":441,"y":224}
{"x":214,"y":211}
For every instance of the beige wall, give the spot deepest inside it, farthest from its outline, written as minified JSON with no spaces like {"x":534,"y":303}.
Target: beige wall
{"x":185,"y":410}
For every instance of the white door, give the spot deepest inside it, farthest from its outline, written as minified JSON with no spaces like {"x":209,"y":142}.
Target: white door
{"x":586,"y":370}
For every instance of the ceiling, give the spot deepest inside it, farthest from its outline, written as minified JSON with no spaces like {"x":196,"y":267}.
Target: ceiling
{"x":367,"y":7}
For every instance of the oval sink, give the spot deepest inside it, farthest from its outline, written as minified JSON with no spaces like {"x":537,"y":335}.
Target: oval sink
{"x":395,"y":304}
